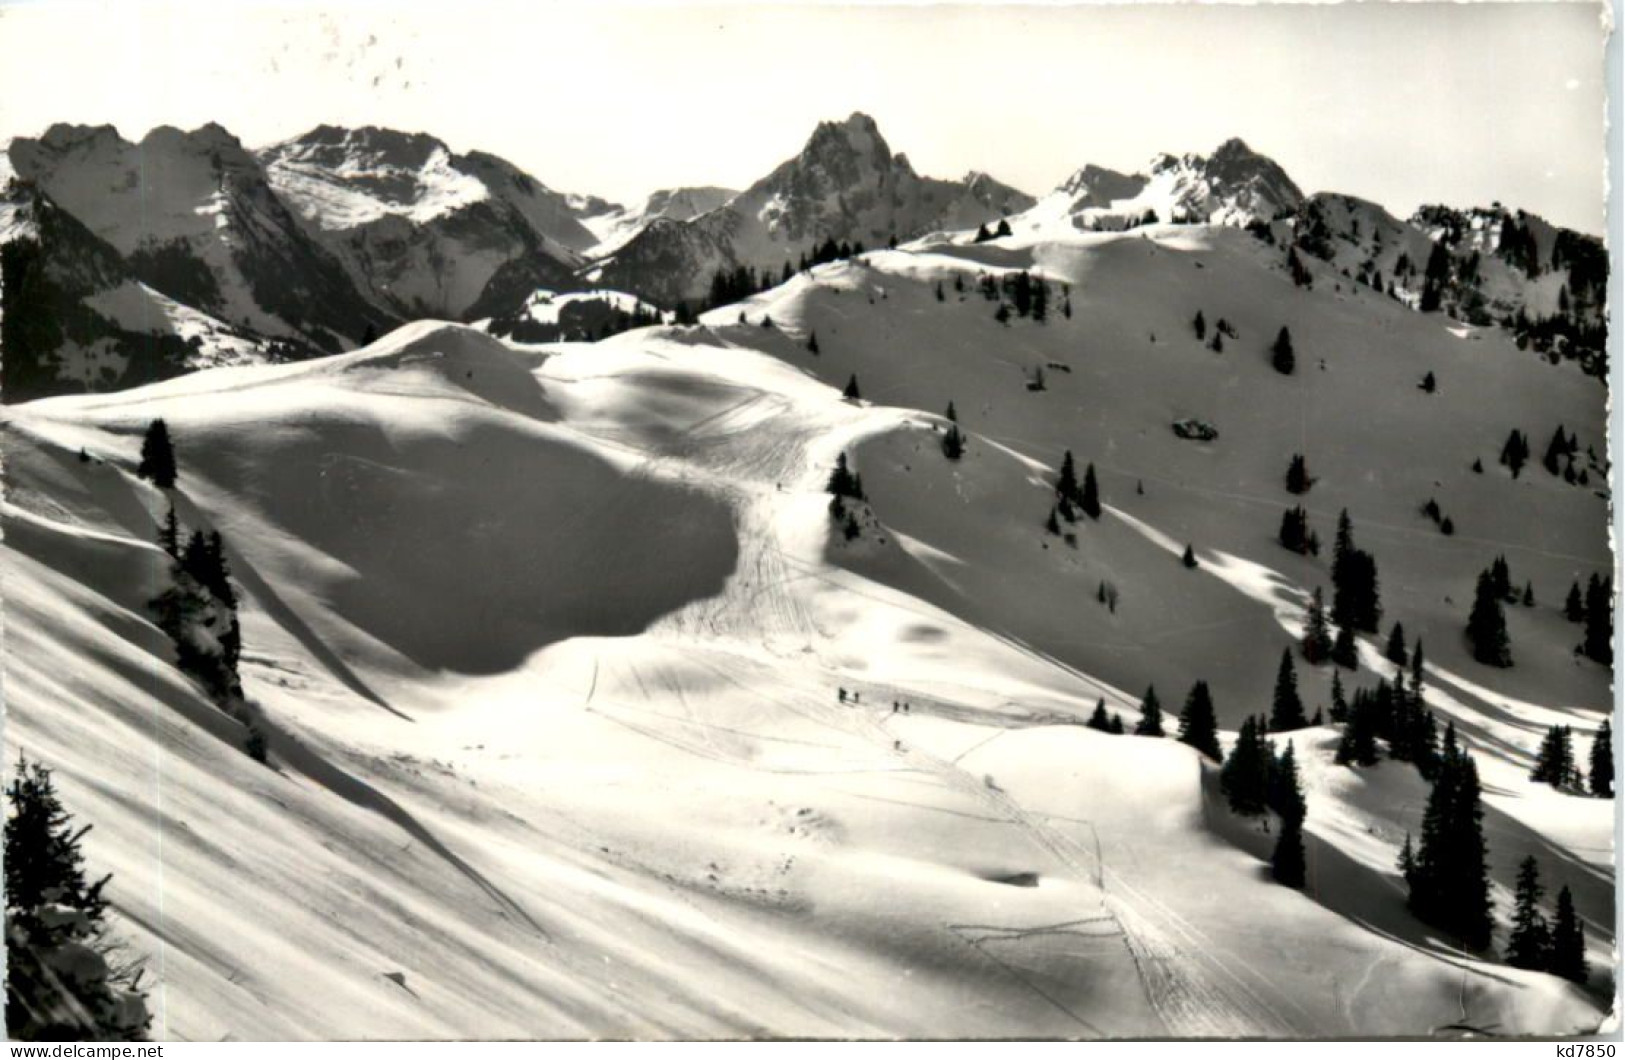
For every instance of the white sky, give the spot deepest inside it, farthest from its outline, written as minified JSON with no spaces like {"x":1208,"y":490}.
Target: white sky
{"x":1402,"y":103}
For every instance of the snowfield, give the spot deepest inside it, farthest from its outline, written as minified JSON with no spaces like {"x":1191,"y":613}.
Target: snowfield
{"x":586,"y":721}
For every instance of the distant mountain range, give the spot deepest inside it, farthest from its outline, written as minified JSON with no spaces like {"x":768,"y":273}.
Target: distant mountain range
{"x":127,"y":262}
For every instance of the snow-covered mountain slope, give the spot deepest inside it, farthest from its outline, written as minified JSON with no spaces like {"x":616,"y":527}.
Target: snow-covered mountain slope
{"x":846,"y":185}
{"x":1233,"y":186}
{"x":421,"y":229}
{"x":1126,"y":366}
{"x":194,"y":217}
{"x":74,"y":317}
{"x":613,"y":225}
{"x":581,"y":709}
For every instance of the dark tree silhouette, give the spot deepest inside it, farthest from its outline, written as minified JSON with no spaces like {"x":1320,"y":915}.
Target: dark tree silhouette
{"x":157,"y":456}
{"x":1198,"y":725}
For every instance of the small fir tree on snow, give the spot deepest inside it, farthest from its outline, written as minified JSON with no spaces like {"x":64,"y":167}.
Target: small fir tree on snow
{"x":1447,"y":526}
{"x":1089,"y":499}
{"x":1053,"y":524}
{"x":1150,"y":723}
{"x":1282,"y":357}
{"x":1395,"y":651}
{"x":1189,"y":558}
{"x":1407,"y":862}
{"x":1098,"y":719}
{"x":1568,"y":952}
{"x":1216,"y":344}
{"x":1286,"y":711}
{"x":1340,"y":706}
{"x":1200,"y":326}
{"x":1602,"y":761}
{"x":953,"y":442}
{"x":1515,"y":453}
{"x":1295,"y":535}
{"x":1487,"y":627}
{"x":1116,"y":727}
{"x":941,"y":296}
{"x":1198,"y":725}
{"x":1317,"y":638}
{"x":842,"y":482}
{"x":1003,"y":229}
{"x":1529,"y":945}
{"x":255,"y":745}
{"x":1529,"y":594}
{"x":1297,"y":475}
{"x":157,"y":456}
{"x":1556,"y":450}
{"x":1429,"y":384}
{"x":1288,"y":863}
{"x":812,"y":343}
{"x":169,"y":535}
{"x":1345,"y":649}
{"x":851,"y":393}
{"x":1066,"y":481}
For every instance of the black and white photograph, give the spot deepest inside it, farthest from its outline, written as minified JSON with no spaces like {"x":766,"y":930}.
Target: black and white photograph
{"x":657,"y":521}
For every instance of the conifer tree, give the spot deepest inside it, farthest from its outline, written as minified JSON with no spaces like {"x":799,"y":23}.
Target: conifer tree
{"x":1281,"y":355}
{"x":1340,"y":707}
{"x":1395,"y":652}
{"x":842,"y":482}
{"x":1602,"y":761}
{"x":1066,"y":482}
{"x":1089,"y":499}
{"x":1286,"y":712}
{"x":1317,"y":637}
{"x":1429,"y":383}
{"x":1573,"y":607}
{"x":169,"y":535}
{"x":1515,"y":452}
{"x":1052,"y":524}
{"x":1486,"y":625}
{"x":1189,"y":558}
{"x":1285,"y":788}
{"x":1568,"y":952}
{"x":157,"y":456}
{"x":812,"y":343}
{"x":1297,"y":475}
{"x":1098,"y":719}
{"x":1150,"y":723}
{"x":1245,"y":776}
{"x":1407,"y":862}
{"x":1004,"y":228}
{"x":851,"y":393}
{"x":1200,"y":326}
{"x":1345,"y":650}
{"x":1116,"y":727}
{"x":1198,"y":725}
{"x":1529,"y":594}
{"x":1450,"y":887}
{"x":1529,"y":945}
{"x":1288,"y":862}
{"x":1599,"y":621}
{"x":1556,"y":450}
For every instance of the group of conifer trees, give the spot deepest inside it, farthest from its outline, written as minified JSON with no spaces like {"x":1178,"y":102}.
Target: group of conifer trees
{"x":1555,"y":762}
{"x":198,"y":609}
{"x":1071,"y":497}
{"x":1022,"y":294}
{"x":844,"y":485}
{"x":1558,"y":947}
